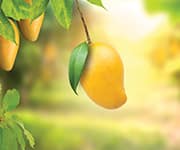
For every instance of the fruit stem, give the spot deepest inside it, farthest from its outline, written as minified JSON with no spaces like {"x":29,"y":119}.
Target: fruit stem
{"x":84,"y":23}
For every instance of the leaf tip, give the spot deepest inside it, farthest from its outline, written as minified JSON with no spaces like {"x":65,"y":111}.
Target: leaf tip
{"x":75,"y":91}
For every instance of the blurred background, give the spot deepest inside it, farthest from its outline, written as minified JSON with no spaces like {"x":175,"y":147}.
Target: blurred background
{"x":147,"y":35}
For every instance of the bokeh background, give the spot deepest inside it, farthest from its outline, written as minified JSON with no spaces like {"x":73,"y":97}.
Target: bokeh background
{"x":146,"y":34}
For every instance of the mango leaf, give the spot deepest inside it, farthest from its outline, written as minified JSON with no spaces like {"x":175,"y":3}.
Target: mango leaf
{"x":6,"y":29}
{"x":76,"y":64}
{"x":63,"y":11}
{"x":38,"y":7}
{"x":27,"y":134}
{"x":10,"y":100}
{"x":20,"y":9}
{"x":19,"y":134}
{"x":96,"y":2}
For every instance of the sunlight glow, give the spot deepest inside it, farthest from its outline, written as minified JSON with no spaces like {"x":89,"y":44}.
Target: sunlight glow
{"x":126,"y":13}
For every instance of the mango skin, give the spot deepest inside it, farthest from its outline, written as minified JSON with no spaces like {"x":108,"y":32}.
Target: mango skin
{"x":31,"y":29}
{"x":103,"y":76}
{"x":8,"y":50}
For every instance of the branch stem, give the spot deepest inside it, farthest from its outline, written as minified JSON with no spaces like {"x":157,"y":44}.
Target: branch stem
{"x":84,"y":23}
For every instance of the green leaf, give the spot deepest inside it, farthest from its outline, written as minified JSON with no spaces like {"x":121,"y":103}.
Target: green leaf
{"x":20,"y":9}
{"x":63,"y":11}
{"x":27,"y":134}
{"x":5,"y":139}
{"x":6,"y":29}
{"x":19,"y":134}
{"x":12,"y":140}
{"x":29,"y":138}
{"x":8,"y":140}
{"x":76,"y":64}
{"x":96,"y":2}
{"x":10,"y":100}
{"x":38,"y":7}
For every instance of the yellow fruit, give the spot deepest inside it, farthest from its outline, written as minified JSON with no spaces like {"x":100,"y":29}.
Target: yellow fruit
{"x":103,"y":76}
{"x":31,"y":29}
{"x":8,"y":50}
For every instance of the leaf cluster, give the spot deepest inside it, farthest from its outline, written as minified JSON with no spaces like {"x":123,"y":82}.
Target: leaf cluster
{"x":13,"y":134}
{"x":20,"y":9}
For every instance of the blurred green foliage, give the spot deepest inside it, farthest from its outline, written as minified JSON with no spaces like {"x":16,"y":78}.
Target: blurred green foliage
{"x":83,"y":134}
{"x":170,"y":7}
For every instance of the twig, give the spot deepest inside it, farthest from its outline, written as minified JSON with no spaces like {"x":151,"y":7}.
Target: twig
{"x":84,"y":23}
